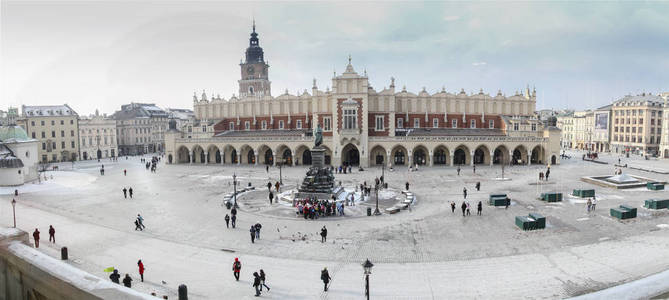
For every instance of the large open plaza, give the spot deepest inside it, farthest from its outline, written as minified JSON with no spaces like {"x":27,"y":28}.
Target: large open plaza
{"x":425,"y":252}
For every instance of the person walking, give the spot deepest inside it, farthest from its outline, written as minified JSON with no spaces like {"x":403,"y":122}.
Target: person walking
{"x":325,"y":276}
{"x":464,"y":192}
{"x":125,"y":193}
{"x":124,"y":172}
{"x":267,"y":168}
{"x":407,"y":185}
{"x":36,"y":237}
{"x":262,"y":280}
{"x":478,"y":186}
{"x":115,"y":276}
{"x":234,"y":211}
{"x":508,"y":202}
{"x":548,"y":172}
{"x":479,"y":208}
{"x":271,"y":196}
{"x":130,"y":192}
{"x":277,"y":185}
{"x":458,"y":170}
{"x":463,"y":207}
{"x":453,"y":206}
{"x":594,"y":203}
{"x":137,"y":226}
{"x":127,"y":280}
{"x":227,"y":221}
{"x":541,"y":175}
{"x":256,"y":283}
{"x":141,"y":221}
{"x":269,"y":186}
{"x":52,"y":234}
{"x":257,"y":228}
{"x":236,"y":268}
{"x":253,"y":234}
{"x":234,"y":221}
{"x":140,"y":265}
{"x":589,"y":204}
{"x":324,"y":234}
{"x":474,"y":169}
{"x":468,"y":209}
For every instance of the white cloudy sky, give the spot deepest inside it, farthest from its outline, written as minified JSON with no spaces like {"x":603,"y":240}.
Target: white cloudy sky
{"x":99,"y":54}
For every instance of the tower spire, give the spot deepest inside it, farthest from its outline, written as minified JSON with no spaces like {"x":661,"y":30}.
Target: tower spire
{"x":254,"y":24}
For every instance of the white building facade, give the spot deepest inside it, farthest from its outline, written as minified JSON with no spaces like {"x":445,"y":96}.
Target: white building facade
{"x":97,"y":137}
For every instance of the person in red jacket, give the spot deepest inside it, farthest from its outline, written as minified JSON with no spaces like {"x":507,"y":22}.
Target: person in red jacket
{"x":36,"y":237}
{"x":141,"y":269}
{"x":236,"y":268}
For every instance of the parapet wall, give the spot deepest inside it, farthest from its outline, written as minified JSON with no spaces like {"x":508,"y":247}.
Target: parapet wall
{"x":26,"y":273}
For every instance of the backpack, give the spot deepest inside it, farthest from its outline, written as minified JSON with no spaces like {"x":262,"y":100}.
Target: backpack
{"x":238,"y":265}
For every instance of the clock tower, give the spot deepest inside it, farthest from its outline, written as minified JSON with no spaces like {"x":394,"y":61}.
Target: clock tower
{"x":254,"y":81}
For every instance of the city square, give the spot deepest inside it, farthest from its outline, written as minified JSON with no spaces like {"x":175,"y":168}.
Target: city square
{"x":419,"y":253}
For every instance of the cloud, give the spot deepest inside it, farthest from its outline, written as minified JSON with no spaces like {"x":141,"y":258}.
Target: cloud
{"x":479,"y":63}
{"x":451,"y":18}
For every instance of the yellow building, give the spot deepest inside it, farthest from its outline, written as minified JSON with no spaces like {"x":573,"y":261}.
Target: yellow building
{"x":56,"y":127}
{"x":637,"y":124}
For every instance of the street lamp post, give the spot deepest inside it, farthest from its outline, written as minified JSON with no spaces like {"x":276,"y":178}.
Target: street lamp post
{"x":383,"y":172}
{"x":280,"y":162}
{"x":14,"y":211}
{"x":376,"y":192}
{"x":234,"y":186}
{"x":367,"y":266}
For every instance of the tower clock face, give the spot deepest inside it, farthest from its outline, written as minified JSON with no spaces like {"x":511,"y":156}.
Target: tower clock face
{"x":249,"y":69}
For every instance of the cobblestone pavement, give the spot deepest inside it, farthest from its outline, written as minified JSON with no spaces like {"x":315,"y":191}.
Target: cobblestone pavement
{"x":427,"y":252}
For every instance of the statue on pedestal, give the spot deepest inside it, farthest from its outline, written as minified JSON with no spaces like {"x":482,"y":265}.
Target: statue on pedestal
{"x":318,"y":136}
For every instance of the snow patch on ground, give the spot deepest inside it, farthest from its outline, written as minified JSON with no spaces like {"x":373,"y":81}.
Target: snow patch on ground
{"x":56,"y":180}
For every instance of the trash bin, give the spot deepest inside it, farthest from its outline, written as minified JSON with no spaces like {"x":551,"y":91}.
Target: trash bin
{"x":385,"y":185}
{"x":369,"y":211}
{"x":183,"y":292}
{"x":63,"y":253}
{"x":228,"y":205}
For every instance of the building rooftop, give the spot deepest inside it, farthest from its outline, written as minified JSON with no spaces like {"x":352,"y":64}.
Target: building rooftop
{"x":449,"y":132}
{"x":12,"y":134}
{"x":7,"y":158}
{"x":47,"y":110}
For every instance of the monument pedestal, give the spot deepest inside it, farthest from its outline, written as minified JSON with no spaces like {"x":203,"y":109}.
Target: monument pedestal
{"x":319,"y":182}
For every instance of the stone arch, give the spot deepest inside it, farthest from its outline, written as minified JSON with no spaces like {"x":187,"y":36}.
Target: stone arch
{"x":230,"y":154}
{"x":441,"y":155}
{"x":284,"y":155}
{"x":538,"y":155}
{"x":328,"y":155}
{"x":214,"y":155}
{"x":169,"y":158}
{"x":248,"y":154}
{"x":350,"y":155}
{"x":482,"y":155}
{"x":553,"y":159}
{"x":519,"y":155}
{"x":377,"y":156}
{"x":501,"y":155}
{"x":461,"y":155}
{"x":198,"y":154}
{"x":266,"y":155}
{"x":183,"y":155}
{"x":399,"y":155}
{"x":302,"y":155}
{"x":420,"y":155}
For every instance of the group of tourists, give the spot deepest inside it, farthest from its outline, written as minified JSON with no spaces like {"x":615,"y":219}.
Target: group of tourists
{"x":259,"y":277}
{"x":591,"y":204}
{"x":52,"y":236}
{"x":126,"y":192}
{"x":127,"y":280}
{"x":544,"y":176}
{"x":228,"y":219}
{"x":314,"y":208}
{"x":343,"y":169}
{"x":139,"y":223}
{"x":255,"y":232}
{"x":151,"y":164}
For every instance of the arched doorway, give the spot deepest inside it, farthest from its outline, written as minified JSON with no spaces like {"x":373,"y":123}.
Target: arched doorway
{"x":537,"y":155}
{"x":287,"y":157}
{"x":183,"y":155}
{"x":350,"y":155}
{"x":217,"y":156}
{"x":440,"y":156}
{"x":500,"y":155}
{"x":378,"y":155}
{"x":459,"y":157}
{"x":251,"y":157}
{"x":85,"y":155}
{"x":481,"y":155}
{"x":99,"y":154}
{"x":169,"y":158}
{"x":269,"y":157}
{"x":233,"y":156}
{"x":553,"y":160}
{"x":400,"y":157}
{"x":519,"y":155}
{"x":306,"y":157}
{"x":419,"y":156}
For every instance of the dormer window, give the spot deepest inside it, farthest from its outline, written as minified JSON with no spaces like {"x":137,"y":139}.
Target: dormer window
{"x":280,"y":124}
{"x":472,"y":124}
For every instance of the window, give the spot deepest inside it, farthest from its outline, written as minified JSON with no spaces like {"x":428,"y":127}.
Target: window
{"x":298,"y":124}
{"x":73,"y":145}
{"x":454,"y":123}
{"x":491,"y":123}
{"x":247,"y":125}
{"x":32,"y":123}
{"x":400,"y":123}
{"x":640,"y":130}
{"x":54,"y":157}
{"x":53,"y":122}
{"x":53,"y":134}
{"x":652,"y":130}
{"x":43,"y":134}
{"x":42,"y":123}
{"x":263,"y":124}
{"x":62,"y":122}
{"x":71,"y":122}
{"x":515,"y":126}
{"x":416,"y":122}
{"x":53,"y":146}
{"x":105,"y":140}
{"x":652,"y":140}
{"x":472,"y":123}
{"x":43,"y":146}
{"x":71,"y":132}
{"x":231,"y":126}
{"x":280,"y":124}
{"x":379,"y":123}
{"x":62,"y":145}
{"x":327,"y":123}
{"x":435,"y":123}
{"x":350,"y":118}
{"x":534,"y":127}
{"x":33,"y":134}
{"x":204,"y":128}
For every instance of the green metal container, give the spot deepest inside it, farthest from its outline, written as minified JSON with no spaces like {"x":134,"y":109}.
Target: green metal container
{"x":539,"y":220}
{"x":584,"y":193}
{"x":551,"y":197}
{"x":524,"y":223}
{"x":498,"y":201}
{"x":655,"y":186}
{"x":497,"y":196}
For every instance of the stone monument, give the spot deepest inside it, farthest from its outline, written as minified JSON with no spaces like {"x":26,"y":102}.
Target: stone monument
{"x":319,"y":182}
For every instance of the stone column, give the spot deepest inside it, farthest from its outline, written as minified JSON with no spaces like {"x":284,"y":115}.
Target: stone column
{"x":222,"y":157}
{"x":206,"y":158}
{"x":471,"y":158}
{"x":292,"y":161}
{"x":452,"y":159}
{"x":389,"y":159}
{"x":192,"y":157}
{"x":257,"y":157}
{"x":239,"y":159}
{"x":492,"y":157}
{"x":410,"y":158}
{"x":274,"y":161}
{"x":529,"y":158}
{"x":510,"y":157}
{"x":430,"y":158}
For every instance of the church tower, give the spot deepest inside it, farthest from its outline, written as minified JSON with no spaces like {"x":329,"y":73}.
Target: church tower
{"x":254,"y":81}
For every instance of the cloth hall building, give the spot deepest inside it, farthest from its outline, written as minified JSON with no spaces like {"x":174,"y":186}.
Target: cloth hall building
{"x":361,"y":126}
